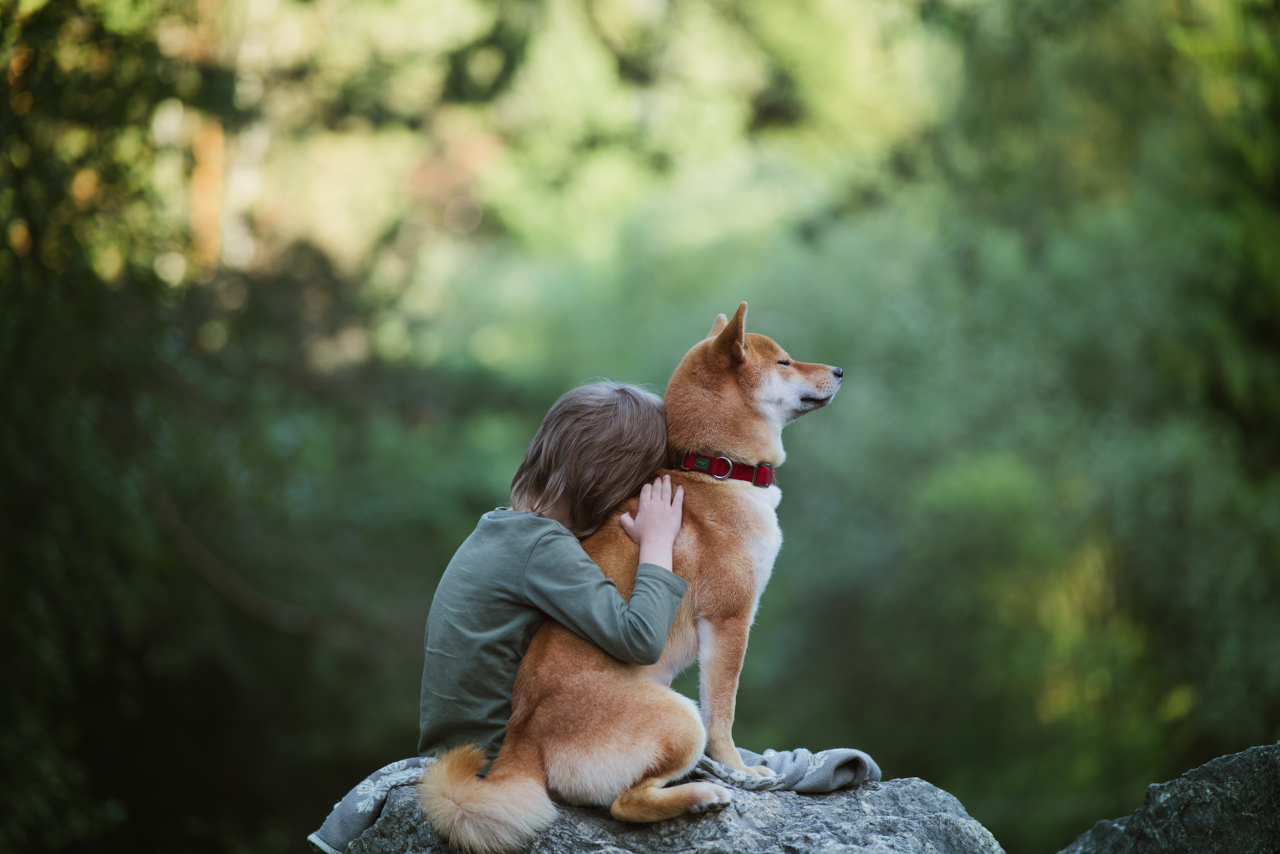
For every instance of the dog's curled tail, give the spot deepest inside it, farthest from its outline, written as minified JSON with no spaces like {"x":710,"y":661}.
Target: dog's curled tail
{"x":500,"y":813}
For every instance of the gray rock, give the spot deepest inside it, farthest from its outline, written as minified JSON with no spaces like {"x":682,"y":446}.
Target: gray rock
{"x":1228,"y":806}
{"x":907,"y":816}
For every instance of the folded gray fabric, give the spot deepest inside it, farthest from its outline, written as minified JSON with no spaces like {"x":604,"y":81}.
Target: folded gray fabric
{"x":797,"y":770}
{"x":357,"y":812}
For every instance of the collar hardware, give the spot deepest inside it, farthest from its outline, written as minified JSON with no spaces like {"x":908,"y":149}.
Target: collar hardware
{"x":728,"y":469}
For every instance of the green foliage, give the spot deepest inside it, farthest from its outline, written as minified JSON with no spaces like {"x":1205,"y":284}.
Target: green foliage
{"x":285,"y":288}
{"x":79,"y":553}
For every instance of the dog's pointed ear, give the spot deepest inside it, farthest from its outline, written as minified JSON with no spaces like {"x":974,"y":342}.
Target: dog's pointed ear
{"x":730,"y":334}
{"x":718,"y":326}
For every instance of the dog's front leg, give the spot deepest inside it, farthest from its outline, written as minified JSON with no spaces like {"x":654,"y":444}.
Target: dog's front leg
{"x":722,"y":645}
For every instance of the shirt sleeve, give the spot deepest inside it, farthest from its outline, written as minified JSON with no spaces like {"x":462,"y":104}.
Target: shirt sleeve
{"x":562,"y":582}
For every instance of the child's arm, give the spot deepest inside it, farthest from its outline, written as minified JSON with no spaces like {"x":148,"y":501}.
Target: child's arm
{"x":564,"y":583}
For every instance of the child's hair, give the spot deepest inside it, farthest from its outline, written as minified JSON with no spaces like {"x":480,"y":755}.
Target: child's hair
{"x":597,"y":446}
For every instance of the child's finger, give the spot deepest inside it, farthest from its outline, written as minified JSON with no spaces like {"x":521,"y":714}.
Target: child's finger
{"x":628,"y":526}
{"x":677,"y":501}
{"x":666,"y":489}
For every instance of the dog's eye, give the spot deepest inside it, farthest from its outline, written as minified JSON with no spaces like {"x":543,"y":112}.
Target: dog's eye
{"x":784,"y":362}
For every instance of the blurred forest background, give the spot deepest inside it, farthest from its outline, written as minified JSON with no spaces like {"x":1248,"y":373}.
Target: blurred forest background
{"x":286,"y":285}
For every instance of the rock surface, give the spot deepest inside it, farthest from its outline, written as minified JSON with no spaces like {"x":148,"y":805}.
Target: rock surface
{"x":1228,"y":806}
{"x":907,"y":816}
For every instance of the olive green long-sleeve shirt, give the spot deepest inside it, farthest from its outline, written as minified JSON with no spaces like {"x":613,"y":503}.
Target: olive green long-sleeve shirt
{"x":514,"y":571}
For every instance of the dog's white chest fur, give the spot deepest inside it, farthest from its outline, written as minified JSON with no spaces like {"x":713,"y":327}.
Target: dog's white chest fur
{"x":768,"y":540}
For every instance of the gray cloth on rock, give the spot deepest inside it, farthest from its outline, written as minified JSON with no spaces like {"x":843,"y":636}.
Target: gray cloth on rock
{"x":796,"y":770}
{"x":358,"y":811}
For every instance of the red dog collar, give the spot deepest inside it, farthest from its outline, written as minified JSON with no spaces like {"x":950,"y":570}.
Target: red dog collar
{"x":723,"y":467}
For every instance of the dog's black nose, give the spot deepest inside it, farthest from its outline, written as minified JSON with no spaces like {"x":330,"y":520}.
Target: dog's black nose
{"x":839,"y":372}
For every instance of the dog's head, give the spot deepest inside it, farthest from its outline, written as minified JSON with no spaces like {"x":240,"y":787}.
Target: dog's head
{"x":734,"y":392}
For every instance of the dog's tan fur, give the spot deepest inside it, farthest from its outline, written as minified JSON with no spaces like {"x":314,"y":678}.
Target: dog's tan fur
{"x":600,"y":732}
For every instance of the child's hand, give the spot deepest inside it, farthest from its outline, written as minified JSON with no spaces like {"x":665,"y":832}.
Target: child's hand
{"x":657,"y":521}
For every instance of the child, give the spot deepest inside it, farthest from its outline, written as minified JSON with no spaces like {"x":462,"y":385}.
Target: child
{"x":595,"y":448}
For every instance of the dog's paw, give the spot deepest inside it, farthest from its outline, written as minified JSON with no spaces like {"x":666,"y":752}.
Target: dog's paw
{"x":760,"y":771}
{"x":712,"y":798}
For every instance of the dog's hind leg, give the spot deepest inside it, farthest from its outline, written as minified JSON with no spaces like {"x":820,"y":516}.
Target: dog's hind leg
{"x":628,"y":740}
{"x":675,"y":749}
{"x":649,"y":801}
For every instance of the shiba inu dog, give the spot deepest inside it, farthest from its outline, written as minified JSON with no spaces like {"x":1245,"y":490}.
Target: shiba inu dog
{"x":597,"y":731}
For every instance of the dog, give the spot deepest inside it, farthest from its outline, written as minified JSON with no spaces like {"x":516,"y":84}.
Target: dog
{"x":599,"y":732}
